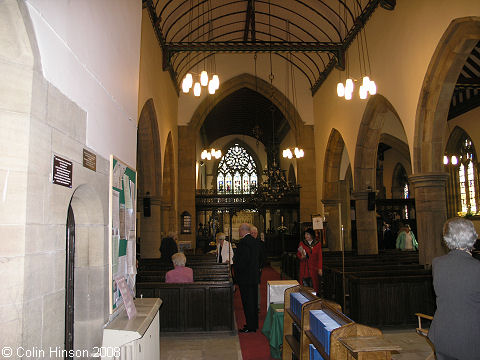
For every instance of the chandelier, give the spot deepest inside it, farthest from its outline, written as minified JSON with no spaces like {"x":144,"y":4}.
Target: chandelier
{"x":211,"y":154}
{"x":368,"y":86}
{"x":275,"y":187}
{"x":202,"y":79}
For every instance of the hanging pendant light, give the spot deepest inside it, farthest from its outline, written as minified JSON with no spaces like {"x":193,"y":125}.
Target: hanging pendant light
{"x":203,"y":78}
{"x":340,"y":90}
{"x":211,"y":87}
{"x":197,"y":90}
{"x":216,"y":81}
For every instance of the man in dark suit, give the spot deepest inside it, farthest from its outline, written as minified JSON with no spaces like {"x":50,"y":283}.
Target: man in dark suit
{"x":245,"y":264}
{"x":455,"y":330}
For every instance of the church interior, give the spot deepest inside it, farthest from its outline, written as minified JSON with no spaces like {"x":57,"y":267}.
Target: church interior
{"x":355,"y":117}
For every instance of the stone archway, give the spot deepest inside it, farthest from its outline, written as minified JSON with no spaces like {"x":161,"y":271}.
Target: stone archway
{"x":91,"y":262}
{"x":168,"y":188}
{"x":187,"y":136}
{"x":429,"y":177}
{"x":149,"y":181}
{"x":336,"y":194}
{"x":373,"y":120}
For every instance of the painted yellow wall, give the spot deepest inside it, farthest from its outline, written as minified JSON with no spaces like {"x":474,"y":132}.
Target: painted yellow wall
{"x":157,"y":84}
{"x":401,"y":44}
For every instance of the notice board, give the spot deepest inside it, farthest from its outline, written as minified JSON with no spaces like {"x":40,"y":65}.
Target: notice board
{"x":122,"y":229}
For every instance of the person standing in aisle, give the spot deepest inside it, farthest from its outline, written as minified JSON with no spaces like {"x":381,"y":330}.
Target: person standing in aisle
{"x":245,"y":264}
{"x":310,"y":254}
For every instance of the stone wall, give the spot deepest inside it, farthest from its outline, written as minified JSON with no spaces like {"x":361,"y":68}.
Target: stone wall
{"x":37,"y":121}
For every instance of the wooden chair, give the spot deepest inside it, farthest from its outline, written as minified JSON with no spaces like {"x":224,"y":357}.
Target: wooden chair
{"x":422,"y":331}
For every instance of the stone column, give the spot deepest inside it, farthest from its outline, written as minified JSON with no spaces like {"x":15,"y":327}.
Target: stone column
{"x":306,"y":175}
{"x":431,"y":213}
{"x":366,"y":221}
{"x":332,"y":217}
{"x":186,"y":178}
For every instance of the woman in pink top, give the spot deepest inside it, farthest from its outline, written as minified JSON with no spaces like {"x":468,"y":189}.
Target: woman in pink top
{"x":181,"y":273}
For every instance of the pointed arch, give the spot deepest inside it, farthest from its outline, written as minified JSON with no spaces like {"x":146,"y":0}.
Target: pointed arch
{"x":149,"y":159}
{"x":256,"y":84}
{"x":450,"y":55}
{"x":373,"y":120}
{"x":332,"y":164}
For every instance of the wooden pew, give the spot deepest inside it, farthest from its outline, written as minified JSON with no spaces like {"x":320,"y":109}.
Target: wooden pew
{"x":390,"y":300}
{"x":192,"y":307}
{"x":201,"y":272}
{"x":300,"y":332}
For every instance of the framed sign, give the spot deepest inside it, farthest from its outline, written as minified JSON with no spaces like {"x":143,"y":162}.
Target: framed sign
{"x":317,"y":222}
{"x":122,"y":230}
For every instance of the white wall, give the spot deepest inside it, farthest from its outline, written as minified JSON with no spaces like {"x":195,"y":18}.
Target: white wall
{"x":90,"y":51}
{"x":231,"y":65}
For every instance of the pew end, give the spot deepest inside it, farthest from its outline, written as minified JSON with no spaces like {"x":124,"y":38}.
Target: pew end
{"x":420,"y":330}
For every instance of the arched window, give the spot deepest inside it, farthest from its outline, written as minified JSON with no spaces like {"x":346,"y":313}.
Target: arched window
{"x":237,"y":172}
{"x":463,"y":170}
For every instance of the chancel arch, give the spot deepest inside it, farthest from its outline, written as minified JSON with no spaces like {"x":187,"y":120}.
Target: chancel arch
{"x":429,"y":177}
{"x":149,"y":167}
{"x":303,"y":134}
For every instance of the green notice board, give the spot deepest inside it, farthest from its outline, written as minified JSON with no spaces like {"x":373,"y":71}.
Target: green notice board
{"x":122,"y":229}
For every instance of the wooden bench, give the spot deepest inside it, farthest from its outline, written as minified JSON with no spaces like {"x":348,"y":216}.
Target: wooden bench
{"x":392,"y":300}
{"x":192,"y":307}
{"x":201,"y":272}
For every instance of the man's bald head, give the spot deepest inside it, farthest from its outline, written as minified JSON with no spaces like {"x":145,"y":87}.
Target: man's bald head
{"x":244,"y":229}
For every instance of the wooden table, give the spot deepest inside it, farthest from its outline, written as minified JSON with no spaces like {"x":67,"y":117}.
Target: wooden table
{"x":368,"y":347}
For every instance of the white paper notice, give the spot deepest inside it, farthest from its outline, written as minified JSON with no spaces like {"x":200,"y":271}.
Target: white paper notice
{"x":115,"y":212}
{"x":118,"y":172}
{"x":127,"y":192}
{"x":131,"y":253}
{"x":115,"y":244}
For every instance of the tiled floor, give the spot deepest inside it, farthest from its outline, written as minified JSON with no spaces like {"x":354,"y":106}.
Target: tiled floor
{"x":227,"y":346}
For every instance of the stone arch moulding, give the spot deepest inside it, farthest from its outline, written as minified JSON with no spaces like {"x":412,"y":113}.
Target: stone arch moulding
{"x":432,"y":110}
{"x":91,"y":262}
{"x":368,"y":138}
{"x":456,"y":135}
{"x":333,"y":159}
{"x":149,"y":158}
{"x":256,"y":84}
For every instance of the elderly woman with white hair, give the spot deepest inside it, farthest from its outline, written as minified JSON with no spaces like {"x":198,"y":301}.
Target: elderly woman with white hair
{"x":455,"y":330}
{"x":224,"y":249}
{"x":180,"y":273}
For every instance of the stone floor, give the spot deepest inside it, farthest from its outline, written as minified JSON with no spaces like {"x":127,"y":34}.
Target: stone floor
{"x":227,"y":346}
{"x":200,"y":347}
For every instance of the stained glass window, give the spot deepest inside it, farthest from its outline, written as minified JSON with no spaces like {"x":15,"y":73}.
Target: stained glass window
{"x":466,"y":177}
{"x":237,"y":172}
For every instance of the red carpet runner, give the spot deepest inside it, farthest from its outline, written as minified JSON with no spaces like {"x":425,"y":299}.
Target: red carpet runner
{"x":255,"y":345}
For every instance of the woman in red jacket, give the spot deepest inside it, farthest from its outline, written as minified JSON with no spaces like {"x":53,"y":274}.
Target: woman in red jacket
{"x":310,"y":254}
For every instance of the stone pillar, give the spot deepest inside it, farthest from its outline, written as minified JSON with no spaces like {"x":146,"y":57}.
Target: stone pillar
{"x":186,"y":178}
{"x":333,"y":219}
{"x":366,"y":221}
{"x":344,"y":192}
{"x":306,"y":175}
{"x":431,"y":213}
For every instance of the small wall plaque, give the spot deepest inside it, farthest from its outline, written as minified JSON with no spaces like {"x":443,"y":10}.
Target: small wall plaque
{"x":62,"y":171}
{"x":89,"y":160}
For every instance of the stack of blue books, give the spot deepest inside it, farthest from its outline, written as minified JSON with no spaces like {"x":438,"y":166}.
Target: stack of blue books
{"x":296,"y":302}
{"x":321,"y":326}
{"x":314,"y":354}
